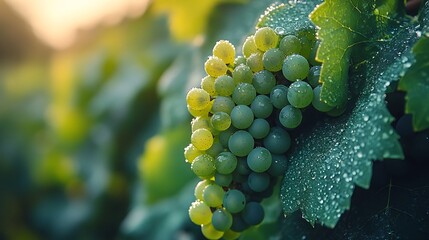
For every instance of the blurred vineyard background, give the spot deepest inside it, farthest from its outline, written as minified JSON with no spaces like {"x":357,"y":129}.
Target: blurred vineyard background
{"x":93,"y":118}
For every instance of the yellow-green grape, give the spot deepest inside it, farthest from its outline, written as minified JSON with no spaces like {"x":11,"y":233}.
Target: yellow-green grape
{"x":200,"y":213}
{"x":210,"y":232}
{"x":220,"y":121}
{"x":213,"y":195}
{"x":200,"y":122}
{"x":255,"y":62}
{"x":197,"y":98}
{"x":249,"y":47}
{"x":203,"y":166}
{"x":225,"y":51}
{"x":207,"y":83}
{"x":191,"y":152}
{"x":202,"y":139}
{"x":201,"y":113}
{"x":199,"y":188}
{"x":266,"y":38}
{"x":215,"y":67}
{"x":231,"y":235}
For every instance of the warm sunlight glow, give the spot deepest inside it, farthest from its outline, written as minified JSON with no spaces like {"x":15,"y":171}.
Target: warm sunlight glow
{"x":57,"y":21}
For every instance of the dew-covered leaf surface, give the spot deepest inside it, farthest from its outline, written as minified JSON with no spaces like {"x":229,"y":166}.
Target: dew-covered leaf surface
{"x":337,"y":153}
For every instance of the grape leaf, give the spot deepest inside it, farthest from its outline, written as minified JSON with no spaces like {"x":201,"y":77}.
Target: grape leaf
{"x":337,"y":153}
{"x":416,"y":83}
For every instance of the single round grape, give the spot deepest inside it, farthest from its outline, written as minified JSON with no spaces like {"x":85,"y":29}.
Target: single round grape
{"x":215,"y":67}
{"x":255,"y":62}
{"x":290,"y":44}
{"x":200,"y":122}
{"x":242,"y":167}
{"x":290,"y":117}
{"x":197,"y":98}
{"x":203,"y":166}
{"x":239,"y":60}
{"x":203,"y":112}
{"x":207,"y":84}
{"x":249,"y":47}
{"x":242,"y":73}
{"x":213,"y":195}
{"x":278,"y":166}
{"x":210,"y":232}
{"x":259,"y":128}
{"x":241,"y":116}
{"x":277,"y":141}
{"x":231,"y":235}
{"x":224,"y":85}
{"x":191,"y":152}
{"x":273,"y":59}
{"x":200,"y":213}
{"x":223,"y":180}
{"x":241,"y":143}
{"x":317,"y":103}
{"x":300,"y":94}
{"x":258,"y":182}
{"x":259,"y":159}
{"x":234,"y":201}
{"x":224,"y":50}
{"x":295,"y":67}
{"x":225,"y":135}
{"x":202,"y":139}
{"x":238,"y":224}
{"x":220,"y":121}
{"x":221,"y":220}
{"x":222,"y":104}
{"x":263,"y":81}
{"x":215,"y":149}
{"x":278,"y":96}
{"x":313,"y":76}
{"x":243,"y":94}
{"x":225,"y":162}
{"x":266,"y":38}
{"x":253,"y":213}
{"x":199,"y":188}
{"x":262,"y":106}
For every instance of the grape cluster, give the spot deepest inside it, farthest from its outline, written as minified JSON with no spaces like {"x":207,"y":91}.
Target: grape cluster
{"x":243,"y":111}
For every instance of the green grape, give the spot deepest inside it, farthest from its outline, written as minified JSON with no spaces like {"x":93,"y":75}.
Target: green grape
{"x":290,"y":44}
{"x":277,"y":141}
{"x":213,"y":195}
{"x":210,"y":232}
{"x":258,"y":182}
{"x":207,"y":84}
{"x":200,"y":213}
{"x":224,"y":85}
{"x":202,"y":139}
{"x":312,"y":59}
{"x":266,"y":38}
{"x":290,"y":117}
{"x":238,"y":224}
{"x":220,"y":121}
{"x":295,"y":67}
{"x":203,"y":112}
{"x":317,"y":103}
{"x":221,"y":220}
{"x":216,"y":148}
{"x":262,"y":106}
{"x":300,"y":94}
{"x":259,"y":128}
{"x":263,"y":81}
{"x":241,"y":143}
{"x":313,"y":76}
{"x":222,"y":104}
{"x":278,"y":166}
{"x":259,"y":159}
{"x":225,"y":135}
{"x":243,"y":94}
{"x":225,"y":51}
{"x":200,"y":122}
{"x":234,"y":201}
{"x":199,"y":188}
{"x":249,"y":47}
{"x":253,"y":213}
{"x":242,"y":167}
{"x":225,"y":162}
{"x":241,"y":116}
{"x":197,"y":98}
{"x":191,"y":152}
{"x":242,"y":73}
{"x":215,"y":67}
{"x":230,"y":235}
{"x":255,"y":62}
{"x":223,"y":180}
{"x":273,"y":59}
{"x":239,"y":60}
{"x":203,"y":166}
{"x":278,"y":96}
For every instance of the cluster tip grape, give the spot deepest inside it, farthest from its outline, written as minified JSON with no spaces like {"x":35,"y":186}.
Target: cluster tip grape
{"x":243,"y":113}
